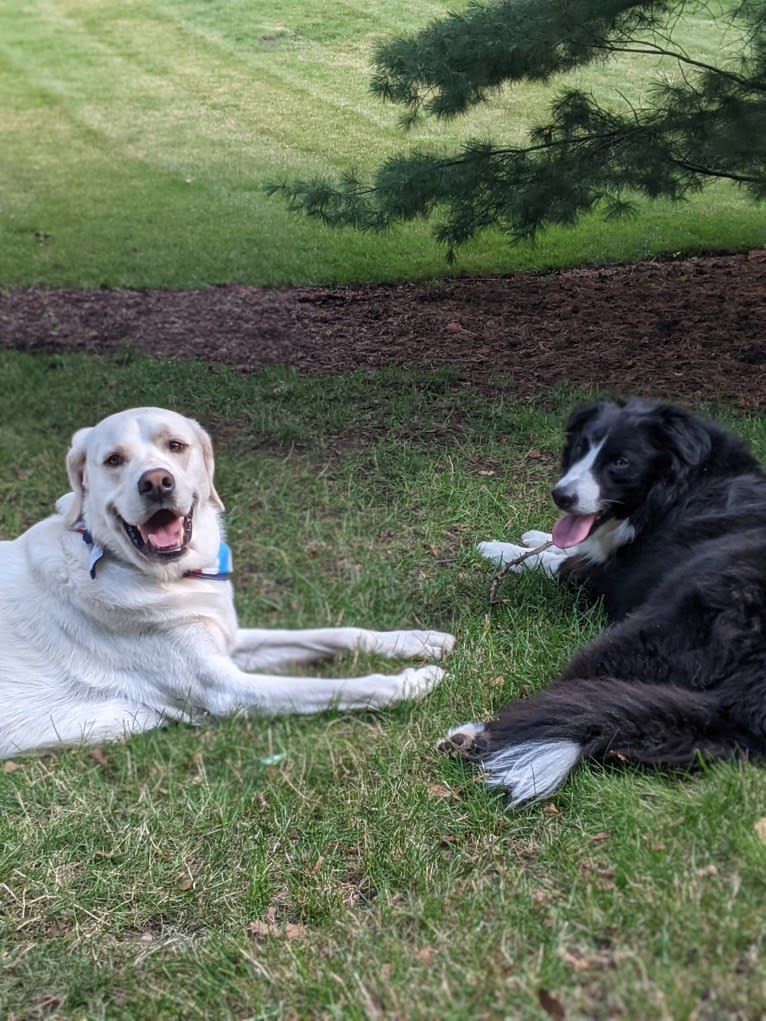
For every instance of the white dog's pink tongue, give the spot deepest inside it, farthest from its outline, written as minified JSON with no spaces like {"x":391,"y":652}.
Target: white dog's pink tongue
{"x":169,"y":535}
{"x":571,"y":529}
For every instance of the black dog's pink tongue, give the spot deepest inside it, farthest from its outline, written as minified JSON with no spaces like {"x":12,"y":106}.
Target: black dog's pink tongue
{"x":571,"y":529}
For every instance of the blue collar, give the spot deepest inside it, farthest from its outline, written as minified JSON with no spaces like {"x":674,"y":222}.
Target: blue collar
{"x":220,"y":570}
{"x":96,"y":551}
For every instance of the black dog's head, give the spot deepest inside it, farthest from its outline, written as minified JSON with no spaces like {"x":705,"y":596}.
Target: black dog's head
{"x":624,"y":460}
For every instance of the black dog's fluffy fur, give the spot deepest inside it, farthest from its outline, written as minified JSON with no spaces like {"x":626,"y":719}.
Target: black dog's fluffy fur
{"x":681,"y":672}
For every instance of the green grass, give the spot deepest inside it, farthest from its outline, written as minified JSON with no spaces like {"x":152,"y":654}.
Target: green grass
{"x":383,"y":880}
{"x":136,"y":138}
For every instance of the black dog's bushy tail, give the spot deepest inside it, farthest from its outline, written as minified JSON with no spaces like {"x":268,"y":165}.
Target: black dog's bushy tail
{"x":532,"y":745}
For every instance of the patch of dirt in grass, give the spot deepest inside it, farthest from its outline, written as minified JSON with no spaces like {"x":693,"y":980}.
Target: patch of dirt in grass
{"x":686,"y":329}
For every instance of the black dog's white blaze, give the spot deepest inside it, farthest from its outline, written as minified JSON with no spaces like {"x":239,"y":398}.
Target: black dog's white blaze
{"x":677,"y":554}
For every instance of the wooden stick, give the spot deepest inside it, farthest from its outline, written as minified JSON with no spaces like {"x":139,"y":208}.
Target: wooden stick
{"x":504,"y":568}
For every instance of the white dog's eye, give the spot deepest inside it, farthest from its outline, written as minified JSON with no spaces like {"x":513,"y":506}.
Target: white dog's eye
{"x":177,"y":446}
{"x":114,"y":460}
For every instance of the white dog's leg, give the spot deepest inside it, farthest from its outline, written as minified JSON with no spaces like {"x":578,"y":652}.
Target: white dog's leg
{"x":66,"y":724}
{"x":548,"y":561}
{"x":262,"y":649}
{"x":221,"y":690}
{"x":229,"y":690}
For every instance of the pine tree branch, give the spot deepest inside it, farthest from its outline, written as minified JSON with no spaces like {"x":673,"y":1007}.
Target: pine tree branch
{"x":727,"y":175}
{"x":653,"y":49}
{"x":708,"y":122}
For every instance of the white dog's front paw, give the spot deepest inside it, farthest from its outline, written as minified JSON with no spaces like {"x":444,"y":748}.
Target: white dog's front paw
{"x":430,"y":644}
{"x":415,"y":682}
{"x":409,"y":644}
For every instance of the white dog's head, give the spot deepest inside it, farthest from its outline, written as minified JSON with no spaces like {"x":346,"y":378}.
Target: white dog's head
{"x":143,"y":487}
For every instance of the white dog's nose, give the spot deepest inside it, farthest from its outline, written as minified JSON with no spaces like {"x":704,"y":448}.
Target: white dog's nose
{"x":156,"y":483}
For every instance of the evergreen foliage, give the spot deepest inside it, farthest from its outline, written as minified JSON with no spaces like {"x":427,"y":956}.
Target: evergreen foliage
{"x":695,"y":124}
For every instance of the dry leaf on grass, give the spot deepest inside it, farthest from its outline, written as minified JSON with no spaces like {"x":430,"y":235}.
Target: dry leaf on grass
{"x":48,"y":1005}
{"x":541,"y":896}
{"x":601,"y":875}
{"x":707,"y":870}
{"x":581,"y":959}
{"x":551,"y":1005}
{"x":267,"y":926}
{"x":62,"y":925}
{"x":602,"y":835}
{"x":440,"y":790}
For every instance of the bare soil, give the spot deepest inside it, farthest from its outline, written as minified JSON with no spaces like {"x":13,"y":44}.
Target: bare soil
{"x":687,"y":329}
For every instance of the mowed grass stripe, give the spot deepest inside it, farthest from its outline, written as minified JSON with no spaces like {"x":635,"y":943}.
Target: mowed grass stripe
{"x":204,"y":163}
{"x":175,"y":92}
{"x":242,"y":23}
{"x":135,"y":142}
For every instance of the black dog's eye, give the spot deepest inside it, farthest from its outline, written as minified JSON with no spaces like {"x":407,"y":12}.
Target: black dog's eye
{"x":580,"y":449}
{"x":114,"y":461}
{"x":620,"y":464}
{"x":177,"y":446}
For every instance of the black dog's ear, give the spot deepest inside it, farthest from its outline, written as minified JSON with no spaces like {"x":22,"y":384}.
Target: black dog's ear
{"x":682,"y":435}
{"x":574,"y":426}
{"x":580,"y":416}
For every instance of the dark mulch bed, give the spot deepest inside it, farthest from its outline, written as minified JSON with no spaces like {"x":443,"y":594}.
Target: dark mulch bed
{"x":687,"y":329}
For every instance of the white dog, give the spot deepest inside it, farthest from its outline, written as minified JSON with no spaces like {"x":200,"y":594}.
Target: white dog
{"x":116,"y":613}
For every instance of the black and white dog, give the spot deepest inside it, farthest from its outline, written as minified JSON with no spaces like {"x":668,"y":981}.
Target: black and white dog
{"x":665,"y":520}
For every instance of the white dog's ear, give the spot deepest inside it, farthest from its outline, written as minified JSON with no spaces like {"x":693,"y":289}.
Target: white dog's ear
{"x":207,"y":452}
{"x":75,"y":466}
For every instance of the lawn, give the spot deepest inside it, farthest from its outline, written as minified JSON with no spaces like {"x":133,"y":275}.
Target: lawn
{"x":136,"y":138}
{"x":330,"y":867}
{"x":337,"y":866}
